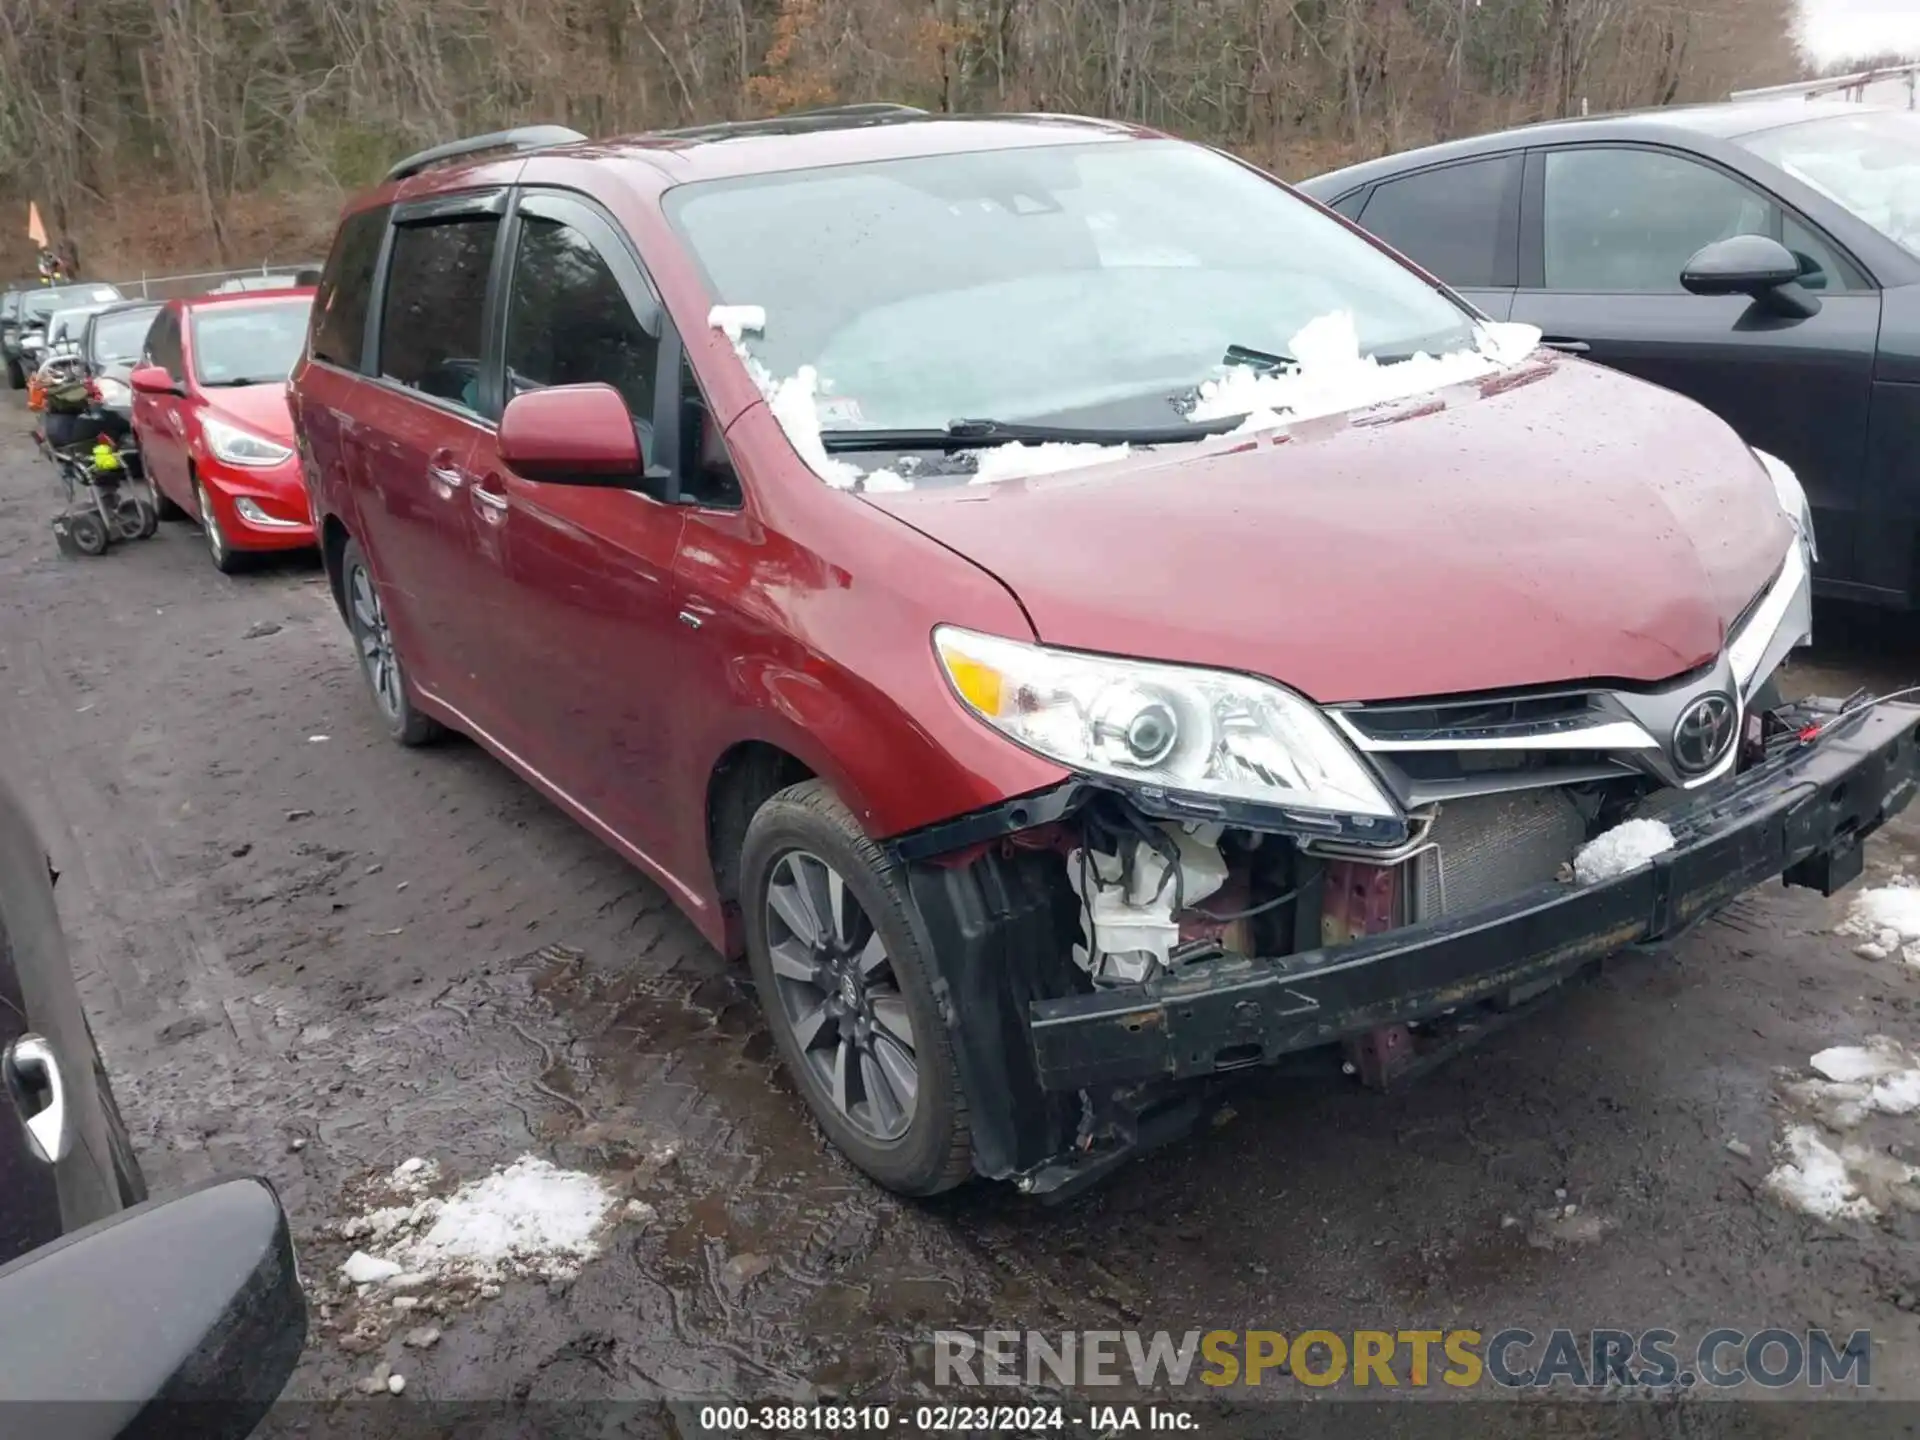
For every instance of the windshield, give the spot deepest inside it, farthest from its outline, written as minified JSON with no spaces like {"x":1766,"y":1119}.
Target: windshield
{"x":1869,"y":163}
{"x":1093,"y":284}
{"x":118,"y":338}
{"x":253,"y":344}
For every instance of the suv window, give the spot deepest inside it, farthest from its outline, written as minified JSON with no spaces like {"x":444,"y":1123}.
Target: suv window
{"x":432,"y":323}
{"x":569,"y":322}
{"x":1452,"y":220}
{"x":163,"y":345}
{"x":1629,"y":220}
{"x":346,"y":287}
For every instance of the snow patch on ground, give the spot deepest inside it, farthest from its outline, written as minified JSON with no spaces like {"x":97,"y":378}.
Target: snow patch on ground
{"x":1835,"y":1160}
{"x":530,"y":1220}
{"x":1813,"y":1178}
{"x":1621,"y":850}
{"x":1330,"y":376}
{"x":1887,"y":920}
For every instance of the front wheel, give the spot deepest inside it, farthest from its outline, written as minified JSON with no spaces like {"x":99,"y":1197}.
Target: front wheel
{"x":846,"y":988}
{"x":379,"y":661}
{"x":225,"y":558}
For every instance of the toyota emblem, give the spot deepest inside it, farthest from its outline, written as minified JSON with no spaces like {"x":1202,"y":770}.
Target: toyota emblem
{"x":1703,"y":733}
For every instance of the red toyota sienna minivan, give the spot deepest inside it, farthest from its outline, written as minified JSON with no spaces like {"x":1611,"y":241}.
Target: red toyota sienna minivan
{"x":1081,"y":619}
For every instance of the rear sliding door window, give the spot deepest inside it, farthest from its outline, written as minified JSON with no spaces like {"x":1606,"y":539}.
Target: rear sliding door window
{"x":346,"y":287}
{"x":432,"y":321}
{"x":1452,"y":221}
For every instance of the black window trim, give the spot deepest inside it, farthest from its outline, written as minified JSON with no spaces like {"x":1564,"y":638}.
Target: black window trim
{"x":437,"y":209}
{"x":1533,"y":210}
{"x":1507,"y":243}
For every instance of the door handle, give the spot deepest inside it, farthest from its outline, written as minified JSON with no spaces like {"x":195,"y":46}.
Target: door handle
{"x":1565,"y":346}
{"x":39,"y":1094}
{"x":446,"y":475}
{"x":492,"y":501}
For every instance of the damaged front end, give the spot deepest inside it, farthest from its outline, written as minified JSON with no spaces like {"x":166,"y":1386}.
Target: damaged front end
{"x":1107,"y":951}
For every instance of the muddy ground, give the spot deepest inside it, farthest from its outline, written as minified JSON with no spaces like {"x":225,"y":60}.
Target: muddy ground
{"x":311,"y":954}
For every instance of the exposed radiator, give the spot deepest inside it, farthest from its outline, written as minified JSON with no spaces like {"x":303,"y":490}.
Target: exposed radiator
{"x":1491,"y":846}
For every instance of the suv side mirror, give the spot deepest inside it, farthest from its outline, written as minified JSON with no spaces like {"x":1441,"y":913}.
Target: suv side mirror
{"x":152,"y":380}
{"x":578,"y":435}
{"x":181,"y":1316}
{"x":1751,"y":265}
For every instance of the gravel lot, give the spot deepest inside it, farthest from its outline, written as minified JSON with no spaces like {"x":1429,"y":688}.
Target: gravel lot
{"x":313,"y":955}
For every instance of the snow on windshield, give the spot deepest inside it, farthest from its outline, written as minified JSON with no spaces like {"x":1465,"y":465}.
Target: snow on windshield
{"x":1328,"y":375}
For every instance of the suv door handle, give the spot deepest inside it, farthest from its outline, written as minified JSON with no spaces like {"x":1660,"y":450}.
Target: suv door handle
{"x":487,"y":499}
{"x":446,"y":475}
{"x":1564,"y":345}
{"x":39,"y":1094}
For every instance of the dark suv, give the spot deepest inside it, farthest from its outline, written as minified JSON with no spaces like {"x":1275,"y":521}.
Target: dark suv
{"x":1080,"y":618}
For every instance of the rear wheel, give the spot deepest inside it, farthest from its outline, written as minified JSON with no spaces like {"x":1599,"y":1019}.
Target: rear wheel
{"x":16,"y":376}
{"x":846,"y":988}
{"x":379,"y":661}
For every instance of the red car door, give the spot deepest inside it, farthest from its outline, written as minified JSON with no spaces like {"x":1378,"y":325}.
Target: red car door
{"x":420,"y":420}
{"x":580,"y":604}
{"x":159,"y":421}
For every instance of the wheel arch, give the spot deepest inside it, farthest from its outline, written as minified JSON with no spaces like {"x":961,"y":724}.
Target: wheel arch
{"x":744,"y":777}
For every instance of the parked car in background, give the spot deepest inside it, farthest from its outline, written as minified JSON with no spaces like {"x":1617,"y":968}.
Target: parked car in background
{"x":66,"y":328}
{"x":210,"y":413}
{"x":9,"y":349}
{"x":1040,"y":801}
{"x":37,"y":307}
{"x":287,"y":281}
{"x":1762,"y":258}
{"x":111,"y":346}
{"x":113,"y":1307}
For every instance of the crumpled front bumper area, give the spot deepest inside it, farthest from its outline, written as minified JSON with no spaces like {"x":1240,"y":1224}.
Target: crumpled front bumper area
{"x":1802,"y":814}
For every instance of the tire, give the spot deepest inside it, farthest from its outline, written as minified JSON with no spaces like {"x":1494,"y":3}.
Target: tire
{"x":226,"y":559}
{"x":917,"y":1142}
{"x":380,"y":663}
{"x":88,"y":533}
{"x":16,"y":377}
{"x":127,"y":1177}
{"x":134,"y":517}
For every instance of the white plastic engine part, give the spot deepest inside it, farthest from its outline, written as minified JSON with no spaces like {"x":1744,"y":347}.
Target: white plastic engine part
{"x":1127,"y":921}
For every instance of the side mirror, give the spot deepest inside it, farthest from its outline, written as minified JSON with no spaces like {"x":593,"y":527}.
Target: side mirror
{"x":152,"y":380}
{"x":577,"y":435}
{"x":1751,"y":265}
{"x":177,"y":1317}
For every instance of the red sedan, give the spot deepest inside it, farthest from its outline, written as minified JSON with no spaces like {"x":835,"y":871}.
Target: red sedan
{"x":210,"y":412}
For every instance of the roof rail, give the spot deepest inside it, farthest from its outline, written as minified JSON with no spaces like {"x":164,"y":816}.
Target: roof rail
{"x":524,"y":137}
{"x":871,"y":107}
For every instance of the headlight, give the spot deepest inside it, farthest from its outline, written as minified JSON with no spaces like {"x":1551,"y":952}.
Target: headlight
{"x":114,"y":392}
{"x":1201,"y":732}
{"x":1793,"y":498}
{"x":242,"y":447}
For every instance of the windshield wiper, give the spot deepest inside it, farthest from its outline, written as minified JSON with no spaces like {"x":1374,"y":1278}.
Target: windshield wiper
{"x":1257,"y":359}
{"x":962,"y":434}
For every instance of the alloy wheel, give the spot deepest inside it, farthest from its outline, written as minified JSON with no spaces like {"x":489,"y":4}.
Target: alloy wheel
{"x":840,"y":997}
{"x":375,"y":641}
{"x":210,"y":525}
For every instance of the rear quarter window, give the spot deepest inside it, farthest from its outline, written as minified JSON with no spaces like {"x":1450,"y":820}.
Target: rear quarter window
{"x":346,"y":286}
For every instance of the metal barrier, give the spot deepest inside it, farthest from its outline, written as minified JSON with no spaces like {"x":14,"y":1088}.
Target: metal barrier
{"x":176,"y":287}
{"x":1895,"y":85}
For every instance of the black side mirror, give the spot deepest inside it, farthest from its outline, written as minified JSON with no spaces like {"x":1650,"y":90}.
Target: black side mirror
{"x":1755,"y":266}
{"x":177,"y":1317}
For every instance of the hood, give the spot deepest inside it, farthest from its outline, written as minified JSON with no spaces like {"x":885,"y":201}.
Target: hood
{"x":1557,"y":523}
{"x":263,"y":409}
